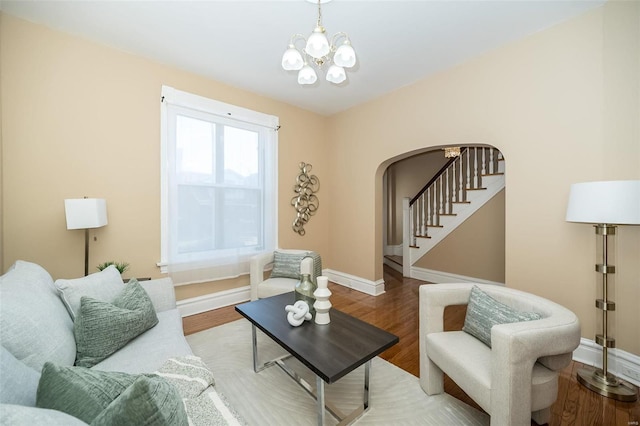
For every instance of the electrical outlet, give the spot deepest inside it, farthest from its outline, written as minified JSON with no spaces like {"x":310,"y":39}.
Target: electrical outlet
{"x":631,"y":373}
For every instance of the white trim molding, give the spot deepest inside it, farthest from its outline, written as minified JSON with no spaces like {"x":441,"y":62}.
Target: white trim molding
{"x":438,"y":277}
{"x":209,"y":302}
{"x":622,"y":364}
{"x":351,"y":281}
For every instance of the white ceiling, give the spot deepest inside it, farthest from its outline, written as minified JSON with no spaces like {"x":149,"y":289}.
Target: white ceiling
{"x":241,"y":42}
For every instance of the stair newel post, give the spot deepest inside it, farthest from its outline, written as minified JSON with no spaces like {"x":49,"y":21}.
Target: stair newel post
{"x":406,"y":237}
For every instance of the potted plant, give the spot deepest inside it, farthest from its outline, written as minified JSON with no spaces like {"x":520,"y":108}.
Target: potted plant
{"x":120,"y":266}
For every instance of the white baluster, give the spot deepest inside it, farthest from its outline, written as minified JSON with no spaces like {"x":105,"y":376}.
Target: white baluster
{"x":461,"y":181}
{"x":468,"y":168}
{"x":492,"y":168}
{"x":476,"y":184}
{"x":454,"y":190}
{"x":447,"y":201}
{"x":484,"y":161}
{"x":441,"y":198}
{"x":423,"y":227}
{"x":429,"y":207}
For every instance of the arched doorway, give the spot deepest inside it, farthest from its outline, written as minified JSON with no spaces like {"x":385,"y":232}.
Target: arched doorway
{"x":463,"y":239}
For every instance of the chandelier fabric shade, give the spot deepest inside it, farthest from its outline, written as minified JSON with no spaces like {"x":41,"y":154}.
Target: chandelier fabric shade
{"x":319,"y":52}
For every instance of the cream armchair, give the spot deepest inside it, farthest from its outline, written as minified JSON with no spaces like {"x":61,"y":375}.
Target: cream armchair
{"x":515,"y":379}
{"x":261,"y":287}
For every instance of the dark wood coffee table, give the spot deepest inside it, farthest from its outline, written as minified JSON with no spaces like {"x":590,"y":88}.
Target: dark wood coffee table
{"x":331,"y":351}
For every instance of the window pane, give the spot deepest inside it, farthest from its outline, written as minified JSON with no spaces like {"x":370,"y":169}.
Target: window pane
{"x":241,"y":157}
{"x":195,"y":219}
{"x":194,"y":150}
{"x":242,"y":218}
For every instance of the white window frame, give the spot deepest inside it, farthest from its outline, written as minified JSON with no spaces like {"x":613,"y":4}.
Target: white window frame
{"x":228,"y":113}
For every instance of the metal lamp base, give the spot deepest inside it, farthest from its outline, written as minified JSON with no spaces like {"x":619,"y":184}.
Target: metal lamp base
{"x":609,"y":386}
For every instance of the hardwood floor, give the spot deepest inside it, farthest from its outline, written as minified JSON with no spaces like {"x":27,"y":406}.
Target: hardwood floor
{"x":397,"y":312}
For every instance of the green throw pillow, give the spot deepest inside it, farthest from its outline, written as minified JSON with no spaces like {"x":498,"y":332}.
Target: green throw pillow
{"x":286,"y":265}
{"x":483,"y":312}
{"x":149,"y":401}
{"x":101,"y":328}
{"x":78,"y":391}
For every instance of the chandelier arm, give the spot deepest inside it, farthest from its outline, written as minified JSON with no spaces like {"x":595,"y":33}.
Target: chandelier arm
{"x":337,"y":36}
{"x":295,"y":38}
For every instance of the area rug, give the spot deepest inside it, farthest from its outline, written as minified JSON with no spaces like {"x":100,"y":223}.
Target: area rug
{"x":271,"y":397}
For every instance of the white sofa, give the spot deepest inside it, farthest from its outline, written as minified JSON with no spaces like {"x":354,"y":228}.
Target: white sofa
{"x":36,"y":328}
{"x":515,"y":379}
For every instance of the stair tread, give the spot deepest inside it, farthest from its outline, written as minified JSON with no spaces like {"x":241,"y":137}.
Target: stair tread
{"x":422,"y":236}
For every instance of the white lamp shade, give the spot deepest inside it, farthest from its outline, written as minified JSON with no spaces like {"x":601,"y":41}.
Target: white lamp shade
{"x":608,"y":202}
{"x":345,"y":56}
{"x":307,"y":75}
{"x":85,"y":213}
{"x":336,"y":74}
{"x":292,"y":59}
{"x":317,"y":44}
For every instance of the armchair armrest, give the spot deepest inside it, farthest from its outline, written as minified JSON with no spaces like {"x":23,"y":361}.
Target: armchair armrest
{"x":257,"y":265}
{"x":161,"y":293}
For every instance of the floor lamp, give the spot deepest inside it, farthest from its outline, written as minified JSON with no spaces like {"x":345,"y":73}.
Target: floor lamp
{"x":85,"y":213}
{"x":605,"y":205}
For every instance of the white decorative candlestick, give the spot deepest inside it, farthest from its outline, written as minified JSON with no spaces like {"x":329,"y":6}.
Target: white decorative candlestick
{"x":322,"y":303}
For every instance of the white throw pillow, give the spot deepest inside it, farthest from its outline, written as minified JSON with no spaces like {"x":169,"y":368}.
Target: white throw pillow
{"x":103,"y":286}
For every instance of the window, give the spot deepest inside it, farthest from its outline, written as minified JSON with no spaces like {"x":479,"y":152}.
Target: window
{"x":218,"y":187}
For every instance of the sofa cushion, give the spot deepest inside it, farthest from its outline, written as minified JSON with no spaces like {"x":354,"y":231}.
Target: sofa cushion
{"x":18,"y":383}
{"x":35,"y":325}
{"x":483,"y":312}
{"x":149,"y":401}
{"x":158,"y":344}
{"x":78,"y":391}
{"x":104,"y":285}
{"x":19,"y":415}
{"x":110,"y":398}
{"x":101,"y":328}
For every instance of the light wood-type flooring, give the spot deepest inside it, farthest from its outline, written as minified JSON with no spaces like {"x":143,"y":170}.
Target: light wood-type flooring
{"x":397,"y":312}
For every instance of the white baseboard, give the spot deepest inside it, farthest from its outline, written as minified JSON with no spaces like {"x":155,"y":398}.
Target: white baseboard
{"x":209,"y":302}
{"x":393,"y":250}
{"x":366,"y":286}
{"x":622,"y":364}
{"x":446,"y":277}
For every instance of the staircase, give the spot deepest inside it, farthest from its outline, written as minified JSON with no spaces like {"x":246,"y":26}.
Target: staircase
{"x":457,"y":191}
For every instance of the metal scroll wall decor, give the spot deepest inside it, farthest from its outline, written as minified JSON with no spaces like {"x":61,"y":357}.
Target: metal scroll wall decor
{"x":305,"y":201}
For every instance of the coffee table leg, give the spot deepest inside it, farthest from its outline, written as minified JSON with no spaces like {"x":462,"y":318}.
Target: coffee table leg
{"x":320,"y":399}
{"x":254,"y":343}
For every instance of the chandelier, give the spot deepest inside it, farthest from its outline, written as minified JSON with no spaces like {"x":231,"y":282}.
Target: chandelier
{"x":452,"y":152}
{"x":319,"y":52}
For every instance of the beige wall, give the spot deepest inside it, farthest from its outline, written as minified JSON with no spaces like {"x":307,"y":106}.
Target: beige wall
{"x":551,"y":103}
{"x":80,"y":119}
{"x":475,"y":248}
{"x":562,"y":105}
